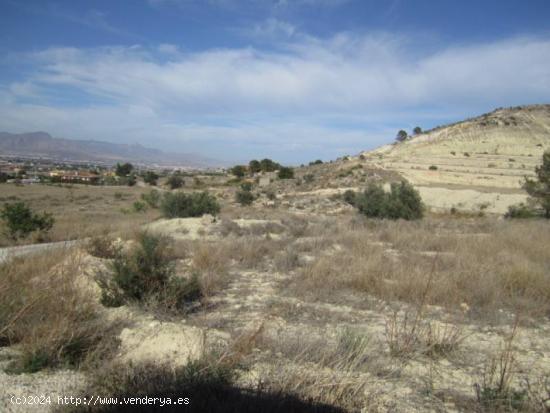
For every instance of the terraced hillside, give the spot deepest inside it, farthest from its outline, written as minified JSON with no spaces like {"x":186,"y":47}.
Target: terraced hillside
{"x":477,"y":163}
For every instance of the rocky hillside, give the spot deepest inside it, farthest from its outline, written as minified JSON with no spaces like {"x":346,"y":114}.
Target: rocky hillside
{"x":478,"y":163}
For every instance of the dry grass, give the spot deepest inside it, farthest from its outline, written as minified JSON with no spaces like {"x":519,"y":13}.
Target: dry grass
{"x":487,"y":264}
{"x":212,"y":263}
{"x":287,"y":260}
{"x":410,"y":335}
{"x":79,"y":211}
{"x":496,"y":391}
{"x":46,"y":310}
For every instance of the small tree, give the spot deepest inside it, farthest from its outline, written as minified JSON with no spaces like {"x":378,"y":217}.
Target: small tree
{"x":401,"y":136}
{"x":238,"y":171}
{"x":417,"y":130}
{"x":131,"y":180}
{"x":175,"y":182}
{"x":245,"y":195}
{"x":124,"y":169}
{"x":152,"y":198}
{"x":403,"y":201}
{"x":286,"y":173}
{"x":539,"y":189}
{"x":21,"y":221}
{"x":372,"y":202}
{"x":254,"y":166}
{"x":150,"y":178}
{"x":268,"y":165}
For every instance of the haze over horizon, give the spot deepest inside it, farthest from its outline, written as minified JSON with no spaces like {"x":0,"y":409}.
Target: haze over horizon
{"x":289,"y":80}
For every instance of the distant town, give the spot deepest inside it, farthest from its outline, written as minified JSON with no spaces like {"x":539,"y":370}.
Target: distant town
{"x":27,"y":170}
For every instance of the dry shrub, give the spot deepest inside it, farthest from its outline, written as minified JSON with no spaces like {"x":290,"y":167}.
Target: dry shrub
{"x":356,"y":266}
{"x":266,"y":228}
{"x":286,"y":260}
{"x":211,"y":262}
{"x":251,"y":252}
{"x":496,"y":391}
{"x":538,"y":393}
{"x":47,"y":310}
{"x":103,"y":246}
{"x":229,"y":227}
{"x":417,"y":236}
{"x":409,"y":335}
{"x":297,"y":226}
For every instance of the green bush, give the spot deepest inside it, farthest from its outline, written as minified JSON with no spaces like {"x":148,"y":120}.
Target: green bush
{"x":175,"y":182}
{"x":403,"y":201}
{"x":150,"y":178}
{"x":147,"y":274}
{"x":246,"y":186}
{"x":244,"y":197}
{"x":129,"y":180}
{"x":152,"y":199}
{"x":20,"y":221}
{"x":432,"y":168}
{"x":349,"y":197}
{"x":286,"y":173}
{"x":139,"y":206}
{"x":539,"y":188}
{"x":520,"y":211}
{"x":238,"y":171}
{"x":181,"y":205}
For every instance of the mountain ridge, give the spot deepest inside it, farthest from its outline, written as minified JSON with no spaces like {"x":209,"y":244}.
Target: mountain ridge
{"x":42,"y":144}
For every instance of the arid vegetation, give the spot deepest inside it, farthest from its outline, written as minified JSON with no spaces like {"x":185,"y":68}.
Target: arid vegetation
{"x":47,"y":312}
{"x":333,"y":289}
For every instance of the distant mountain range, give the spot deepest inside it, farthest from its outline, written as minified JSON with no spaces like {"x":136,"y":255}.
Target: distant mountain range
{"x":42,"y":144}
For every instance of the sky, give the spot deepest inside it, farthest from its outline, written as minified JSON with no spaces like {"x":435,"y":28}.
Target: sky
{"x":291,"y":80}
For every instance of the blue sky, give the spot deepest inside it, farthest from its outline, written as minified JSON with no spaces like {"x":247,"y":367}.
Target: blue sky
{"x":240,"y":79}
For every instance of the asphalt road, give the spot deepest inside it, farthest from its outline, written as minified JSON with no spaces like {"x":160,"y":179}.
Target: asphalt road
{"x":7,"y":253}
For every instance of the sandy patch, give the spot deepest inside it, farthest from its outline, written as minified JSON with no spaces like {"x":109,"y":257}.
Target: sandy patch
{"x":152,"y":340}
{"x":468,"y":200}
{"x":182,"y":228}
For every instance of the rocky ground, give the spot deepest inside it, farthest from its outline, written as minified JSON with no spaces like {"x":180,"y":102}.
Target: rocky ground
{"x":334,"y":348}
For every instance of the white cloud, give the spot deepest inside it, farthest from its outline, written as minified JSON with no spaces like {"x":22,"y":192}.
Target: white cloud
{"x":272,"y":29}
{"x":273,"y":100}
